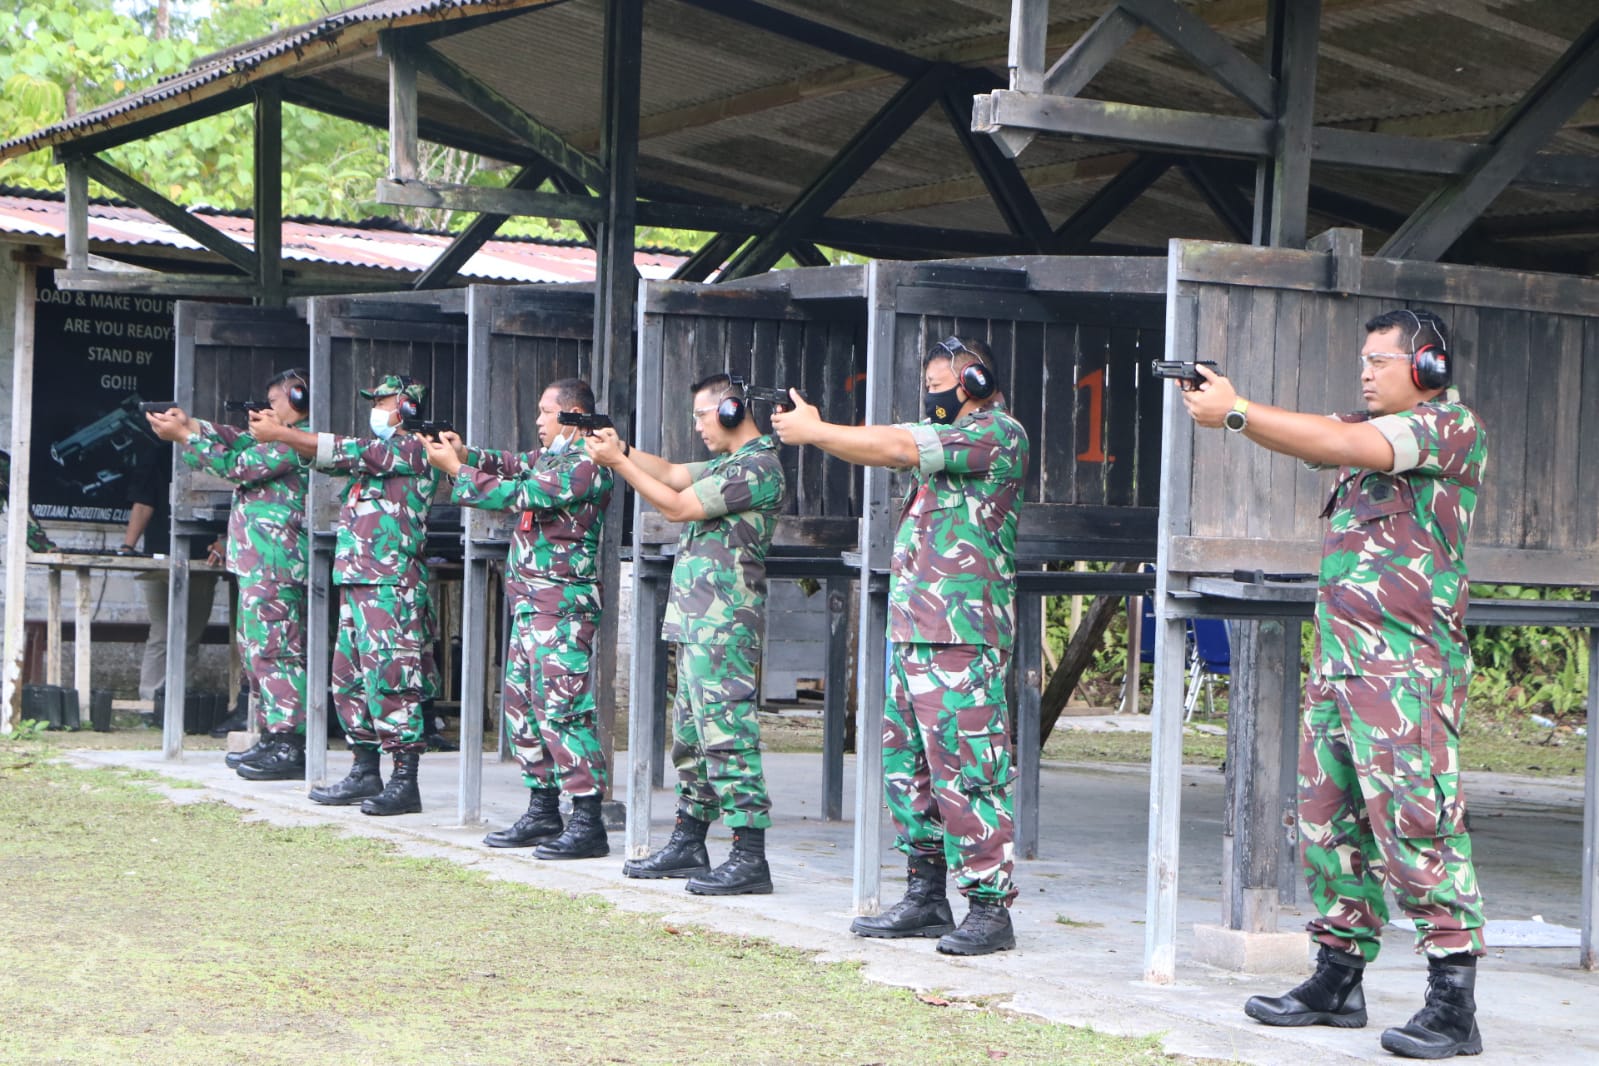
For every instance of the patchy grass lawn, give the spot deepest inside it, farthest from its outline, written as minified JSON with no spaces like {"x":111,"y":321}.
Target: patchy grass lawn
{"x":137,"y":930}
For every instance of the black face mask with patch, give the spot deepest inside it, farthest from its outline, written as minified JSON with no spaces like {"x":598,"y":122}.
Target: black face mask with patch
{"x":941,"y":407}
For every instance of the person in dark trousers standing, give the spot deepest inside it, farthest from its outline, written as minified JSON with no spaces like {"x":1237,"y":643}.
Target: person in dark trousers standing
{"x":1380,"y":803}
{"x":380,"y":567}
{"x":552,"y":582}
{"x":947,"y":759}
{"x":715,"y":615}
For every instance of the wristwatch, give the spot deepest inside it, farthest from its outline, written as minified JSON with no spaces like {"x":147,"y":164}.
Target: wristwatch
{"x":1238,"y":417}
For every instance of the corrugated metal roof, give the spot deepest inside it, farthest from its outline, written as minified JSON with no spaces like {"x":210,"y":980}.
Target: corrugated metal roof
{"x":372,"y":247}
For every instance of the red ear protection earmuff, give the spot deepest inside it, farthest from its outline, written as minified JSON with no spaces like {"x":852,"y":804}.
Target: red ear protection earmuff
{"x":974,"y":377}
{"x":297,"y":392}
{"x":1429,"y":366}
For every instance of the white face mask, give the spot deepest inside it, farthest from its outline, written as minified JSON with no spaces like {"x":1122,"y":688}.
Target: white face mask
{"x":379,"y":419}
{"x":559,"y":445}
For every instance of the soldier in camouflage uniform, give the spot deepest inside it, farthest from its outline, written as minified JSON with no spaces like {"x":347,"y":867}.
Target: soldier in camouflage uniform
{"x":1380,"y":803}
{"x":552,"y":582}
{"x":951,"y":620}
{"x":37,"y":540}
{"x":715,"y":615}
{"x":381,"y":570}
{"x":268,"y":550}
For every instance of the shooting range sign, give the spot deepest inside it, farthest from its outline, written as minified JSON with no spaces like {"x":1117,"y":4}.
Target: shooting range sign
{"x":97,"y":355}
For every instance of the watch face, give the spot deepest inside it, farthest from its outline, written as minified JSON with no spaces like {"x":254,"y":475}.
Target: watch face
{"x":1234,"y":420}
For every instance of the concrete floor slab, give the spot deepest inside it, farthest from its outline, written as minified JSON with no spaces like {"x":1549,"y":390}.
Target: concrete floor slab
{"x":1079,"y":918}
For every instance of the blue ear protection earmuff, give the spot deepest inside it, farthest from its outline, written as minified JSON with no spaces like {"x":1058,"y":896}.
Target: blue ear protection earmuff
{"x":1429,"y":365}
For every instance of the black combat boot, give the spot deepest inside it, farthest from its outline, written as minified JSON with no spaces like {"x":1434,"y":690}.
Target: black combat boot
{"x":285,"y":762}
{"x":923,"y":912}
{"x":683,"y":856}
{"x":400,"y":795}
{"x":584,"y":837}
{"x":1332,"y":996}
{"x":985,"y":930}
{"x":1447,"y":1025}
{"x":263,"y":746}
{"x":744,"y":873}
{"x":364,"y":780}
{"x":540,"y":823}
{"x":435,"y":740}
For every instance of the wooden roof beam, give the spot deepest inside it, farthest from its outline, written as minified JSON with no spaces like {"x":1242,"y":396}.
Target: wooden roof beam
{"x":466,"y":243}
{"x":816,"y":35}
{"x":1208,"y":178}
{"x":711,"y":255}
{"x":998,"y":172}
{"x":853,"y":160}
{"x":1101,"y":210}
{"x":141,"y":195}
{"x":1445,"y":215}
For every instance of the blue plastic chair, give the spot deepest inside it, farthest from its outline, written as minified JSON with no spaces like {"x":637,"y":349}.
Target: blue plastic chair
{"x":1210,"y":656}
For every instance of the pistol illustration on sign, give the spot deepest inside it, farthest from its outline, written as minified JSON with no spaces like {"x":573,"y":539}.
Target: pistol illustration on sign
{"x":588,"y":423}
{"x":1187,"y":373}
{"x":99,"y":453}
{"x":246,"y":405}
{"x":423,"y":427}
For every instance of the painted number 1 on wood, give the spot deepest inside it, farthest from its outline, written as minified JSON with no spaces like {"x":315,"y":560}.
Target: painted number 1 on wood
{"x":1095,"y":452}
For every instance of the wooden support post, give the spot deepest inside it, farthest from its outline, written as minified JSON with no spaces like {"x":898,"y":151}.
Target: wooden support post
{"x":1135,"y":658}
{"x":835,"y":700}
{"x":877,"y":538}
{"x":17,"y":505}
{"x":269,"y":193}
{"x":179,"y":219}
{"x":320,"y":601}
{"x":1284,"y":184}
{"x":1590,"y":819}
{"x":1264,"y":690}
{"x":82,"y":638}
{"x":178,"y":622}
{"x":77,"y":215}
{"x":1029,"y":692}
{"x":403,"y":155}
{"x":52,"y":628}
{"x":616,"y":287}
{"x":1166,"y":727}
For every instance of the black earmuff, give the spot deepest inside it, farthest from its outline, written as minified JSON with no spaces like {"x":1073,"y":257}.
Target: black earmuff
{"x":297,"y":391}
{"x":1429,"y":366}
{"x":409,"y":408}
{"x":731,"y":411}
{"x":977,"y":381}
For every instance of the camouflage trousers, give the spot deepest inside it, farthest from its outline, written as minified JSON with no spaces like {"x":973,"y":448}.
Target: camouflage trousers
{"x":716,"y":737}
{"x":377,"y":665}
{"x":947,"y":764}
{"x":1380,"y":804}
{"x":549,"y":704}
{"x":432,"y":680}
{"x":271,"y":633}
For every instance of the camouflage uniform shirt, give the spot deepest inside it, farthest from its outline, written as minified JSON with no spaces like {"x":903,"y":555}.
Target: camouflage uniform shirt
{"x":554,"y":567}
{"x":382,"y":528}
{"x":266,"y":525}
{"x":1392,"y":595}
{"x":953,"y":579}
{"x":719,"y":579}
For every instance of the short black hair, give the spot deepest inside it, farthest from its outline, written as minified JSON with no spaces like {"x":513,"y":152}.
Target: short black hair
{"x":719,"y":381}
{"x":1422,"y":327}
{"x":952,"y":348}
{"x":573,"y":392}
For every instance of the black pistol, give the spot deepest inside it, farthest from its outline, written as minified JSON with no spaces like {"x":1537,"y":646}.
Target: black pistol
{"x":778,"y":398}
{"x":246,"y":405}
{"x":423,"y":427}
{"x":1187,"y":373}
{"x":587,"y":422}
{"x":157,"y":407}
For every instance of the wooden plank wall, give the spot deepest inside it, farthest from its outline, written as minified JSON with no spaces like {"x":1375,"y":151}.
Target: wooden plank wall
{"x":1531,"y":372}
{"x":236,"y":351}
{"x":780,"y":346}
{"x":1075,"y":373}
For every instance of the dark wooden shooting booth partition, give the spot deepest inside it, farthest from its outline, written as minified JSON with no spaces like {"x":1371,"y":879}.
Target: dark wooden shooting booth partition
{"x":1071,"y":338}
{"x":223,"y":352}
{"x":521,"y":339}
{"x":355,"y":340}
{"x":1287,"y":327}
